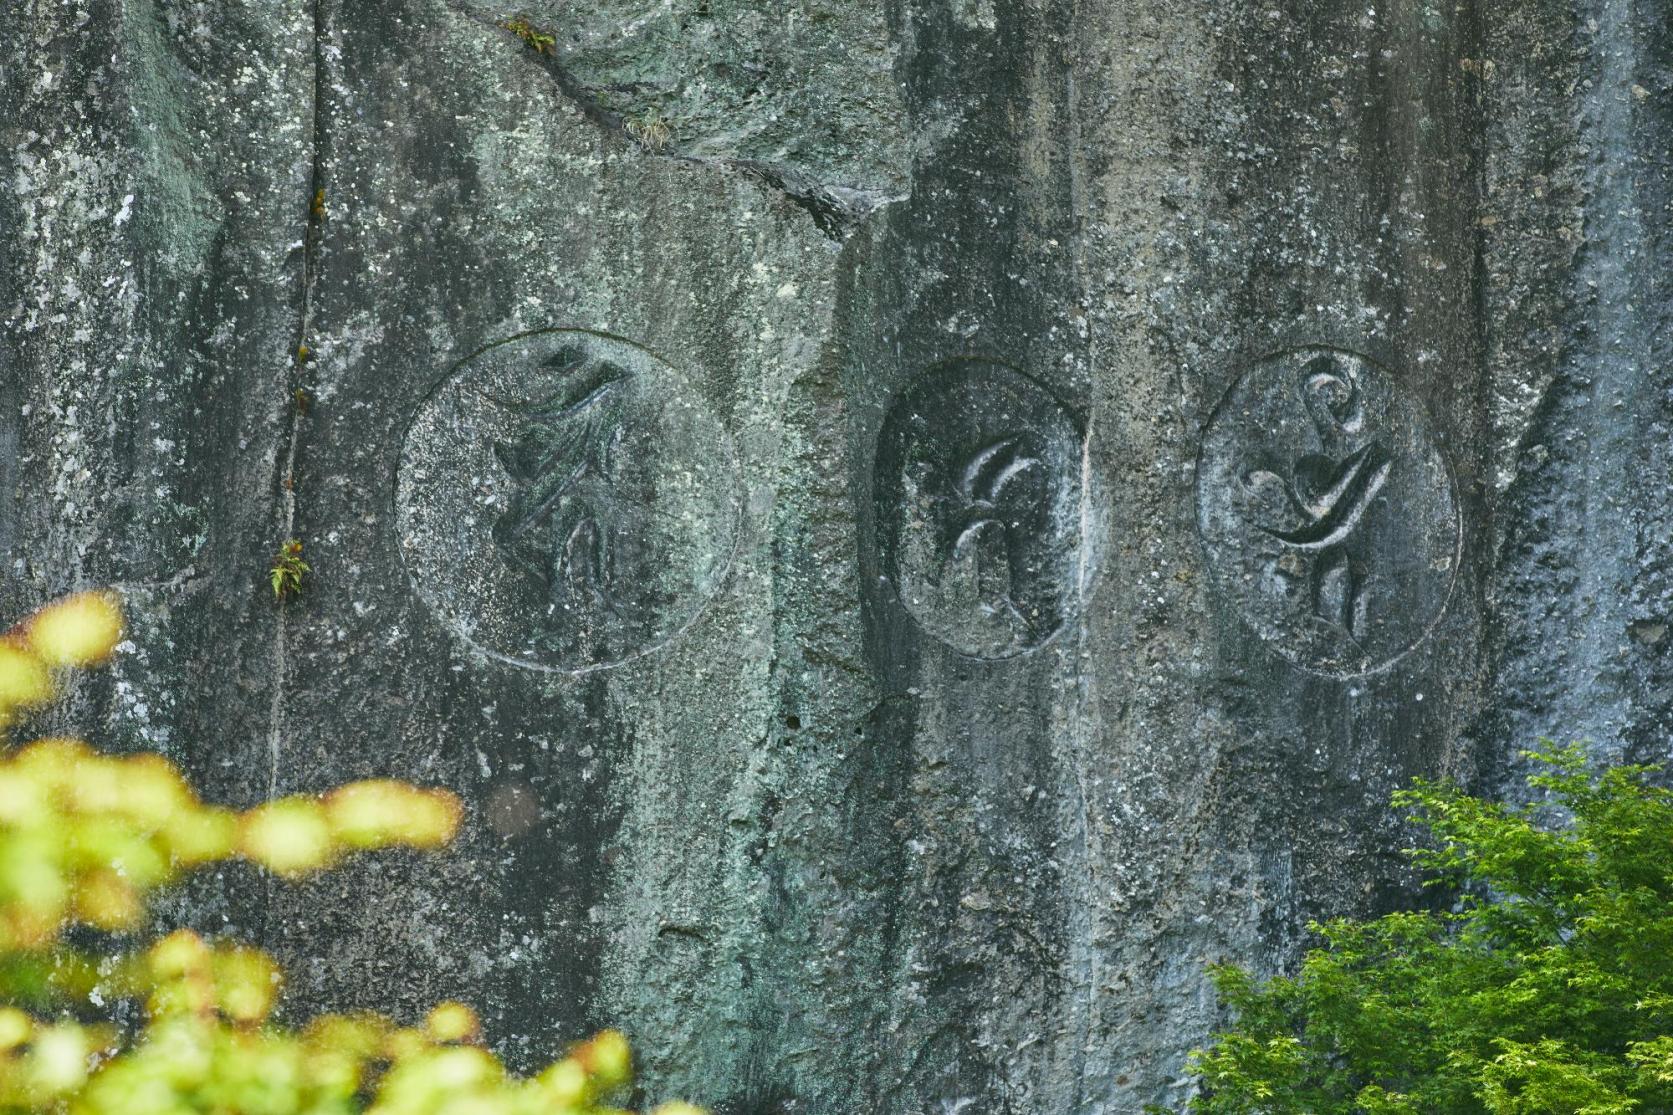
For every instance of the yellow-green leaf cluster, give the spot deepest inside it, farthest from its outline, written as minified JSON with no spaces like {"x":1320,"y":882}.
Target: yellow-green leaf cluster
{"x":86,"y":837}
{"x":288,"y":568}
{"x":83,"y":836}
{"x":79,"y":630}
{"x":541,"y":42}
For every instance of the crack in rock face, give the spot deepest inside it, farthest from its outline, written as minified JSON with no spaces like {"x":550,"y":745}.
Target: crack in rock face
{"x":809,"y":86}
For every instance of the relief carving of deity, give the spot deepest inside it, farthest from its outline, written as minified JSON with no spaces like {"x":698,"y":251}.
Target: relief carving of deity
{"x":570,"y":500}
{"x":980,"y":508}
{"x":1327,"y":512}
{"x":565,"y":526}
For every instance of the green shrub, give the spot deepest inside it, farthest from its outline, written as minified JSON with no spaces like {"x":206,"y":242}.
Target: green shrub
{"x":85,"y":838}
{"x":1546,"y":990}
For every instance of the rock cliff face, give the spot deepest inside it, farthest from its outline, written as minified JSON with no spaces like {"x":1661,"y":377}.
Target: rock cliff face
{"x":913,"y":526}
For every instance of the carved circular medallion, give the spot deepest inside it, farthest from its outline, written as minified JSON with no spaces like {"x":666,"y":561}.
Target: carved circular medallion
{"x":566,"y":501}
{"x":980,"y":505}
{"x":1327,"y":511}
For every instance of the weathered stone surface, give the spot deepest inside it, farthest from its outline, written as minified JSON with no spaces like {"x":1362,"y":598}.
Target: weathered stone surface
{"x":808,"y":87}
{"x":905,"y":567}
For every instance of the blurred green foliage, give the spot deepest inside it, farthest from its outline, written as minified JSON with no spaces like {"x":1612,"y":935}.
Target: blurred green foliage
{"x":85,"y":838}
{"x":1547,"y":990}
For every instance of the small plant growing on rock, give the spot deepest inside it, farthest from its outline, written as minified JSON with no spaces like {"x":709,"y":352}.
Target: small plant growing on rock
{"x":534,"y":38}
{"x":649,"y":129}
{"x":131,"y":1023}
{"x":288,"y":569}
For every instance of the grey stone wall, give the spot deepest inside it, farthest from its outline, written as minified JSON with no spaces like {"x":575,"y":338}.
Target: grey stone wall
{"x":913,"y":527}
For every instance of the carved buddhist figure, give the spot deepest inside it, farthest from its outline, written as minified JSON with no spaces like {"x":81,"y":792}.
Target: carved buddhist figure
{"x":1327,"y":511}
{"x":979,"y":499}
{"x":572,"y":502}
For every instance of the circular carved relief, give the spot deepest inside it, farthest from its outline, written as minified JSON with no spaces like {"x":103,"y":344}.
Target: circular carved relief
{"x":980,"y":502}
{"x":1327,"y":511}
{"x":566,"y":501}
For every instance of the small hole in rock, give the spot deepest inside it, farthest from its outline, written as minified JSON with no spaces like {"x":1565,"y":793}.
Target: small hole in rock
{"x":793,"y":722}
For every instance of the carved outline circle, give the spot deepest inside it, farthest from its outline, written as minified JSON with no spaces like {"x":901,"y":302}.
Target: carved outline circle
{"x":1273,"y":646}
{"x":723,"y":568}
{"x":1086,"y":567}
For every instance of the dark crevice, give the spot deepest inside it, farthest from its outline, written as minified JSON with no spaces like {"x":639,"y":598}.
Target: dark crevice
{"x":562,"y":78}
{"x":836,"y":210}
{"x":296,"y":400}
{"x":295,"y":403}
{"x":316,"y":187}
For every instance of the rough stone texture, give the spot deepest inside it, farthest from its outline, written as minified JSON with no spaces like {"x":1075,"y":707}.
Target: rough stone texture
{"x":810,"y":86}
{"x":884,"y":563}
